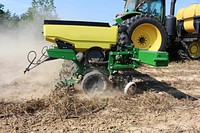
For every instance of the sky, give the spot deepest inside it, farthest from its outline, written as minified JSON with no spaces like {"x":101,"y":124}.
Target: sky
{"x":85,"y":10}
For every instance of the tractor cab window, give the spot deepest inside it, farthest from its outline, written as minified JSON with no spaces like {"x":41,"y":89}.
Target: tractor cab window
{"x":154,"y":7}
{"x":130,"y":5}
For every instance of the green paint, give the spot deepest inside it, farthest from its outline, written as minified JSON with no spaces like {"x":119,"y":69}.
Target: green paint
{"x":128,"y":58}
{"x":132,"y":57}
{"x":125,"y":16}
{"x":153,"y":58}
{"x":66,"y":54}
{"x":121,"y":60}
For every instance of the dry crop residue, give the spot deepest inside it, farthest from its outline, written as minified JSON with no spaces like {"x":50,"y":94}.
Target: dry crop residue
{"x":168,"y":102}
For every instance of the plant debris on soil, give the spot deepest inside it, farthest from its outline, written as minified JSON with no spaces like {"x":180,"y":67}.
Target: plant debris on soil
{"x":168,"y":102}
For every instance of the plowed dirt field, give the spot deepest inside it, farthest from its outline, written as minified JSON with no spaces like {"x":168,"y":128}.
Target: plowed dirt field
{"x":168,"y":101}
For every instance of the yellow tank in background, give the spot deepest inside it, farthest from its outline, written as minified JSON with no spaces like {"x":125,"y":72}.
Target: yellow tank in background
{"x":187,"y":15}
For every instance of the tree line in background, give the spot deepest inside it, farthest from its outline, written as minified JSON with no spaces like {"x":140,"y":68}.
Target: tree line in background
{"x":39,"y":10}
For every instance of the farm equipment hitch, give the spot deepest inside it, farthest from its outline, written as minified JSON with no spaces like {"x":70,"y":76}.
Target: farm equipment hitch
{"x":43,"y":58}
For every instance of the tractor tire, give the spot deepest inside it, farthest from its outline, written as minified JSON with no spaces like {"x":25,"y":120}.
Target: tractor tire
{"x":193,"y":50}
{"x":144,"y":32}
{"x":94,"y":82}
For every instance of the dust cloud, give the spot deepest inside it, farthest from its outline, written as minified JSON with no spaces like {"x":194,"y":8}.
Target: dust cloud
{"x":15,"y":44}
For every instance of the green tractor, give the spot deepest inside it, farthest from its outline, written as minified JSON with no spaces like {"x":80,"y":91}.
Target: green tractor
{"x":144,"y":21}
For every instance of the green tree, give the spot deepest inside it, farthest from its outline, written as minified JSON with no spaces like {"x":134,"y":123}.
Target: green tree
{"x":14,"y":20}
{"x":4,"y":15}
{"x":1,"y":8}
{"x":41,"y":9}
{"x":1,"y":13}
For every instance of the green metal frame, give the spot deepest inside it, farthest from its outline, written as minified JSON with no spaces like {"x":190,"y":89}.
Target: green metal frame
{"x":129,"y":58}
{"x":67,"y":54}
{"x":153,"y":58}
{"x":125,"y":16}
{"x":126,"y":59}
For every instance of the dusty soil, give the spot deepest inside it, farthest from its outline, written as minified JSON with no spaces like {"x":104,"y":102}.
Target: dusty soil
{"x":168,"y":101}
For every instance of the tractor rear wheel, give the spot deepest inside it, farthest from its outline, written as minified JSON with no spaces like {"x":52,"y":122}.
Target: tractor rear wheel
{"x":146,"y":32}
{"x":94,"y":82}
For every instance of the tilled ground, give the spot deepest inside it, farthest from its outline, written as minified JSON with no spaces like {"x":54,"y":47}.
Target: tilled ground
{"x":168,"y":101}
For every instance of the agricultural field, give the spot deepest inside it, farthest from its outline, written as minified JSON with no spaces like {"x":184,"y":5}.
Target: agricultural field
{"x":167,"y":100}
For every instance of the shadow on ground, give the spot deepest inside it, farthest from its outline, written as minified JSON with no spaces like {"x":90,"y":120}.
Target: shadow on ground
{"x":150,"y":83}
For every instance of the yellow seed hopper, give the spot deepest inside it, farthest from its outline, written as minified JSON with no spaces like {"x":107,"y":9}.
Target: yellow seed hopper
{"x":80,"y":35}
